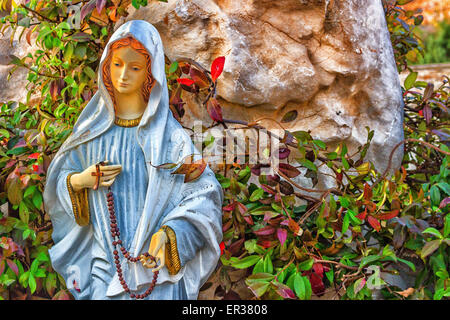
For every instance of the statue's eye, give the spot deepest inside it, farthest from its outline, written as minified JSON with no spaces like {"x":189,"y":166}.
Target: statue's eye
{"x":136,"y":68}
{"x":116,"y":64}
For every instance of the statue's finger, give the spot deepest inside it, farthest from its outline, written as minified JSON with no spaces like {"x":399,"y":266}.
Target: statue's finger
{"x":110,"y":173}
{"x":107,"y":183}
{"x":112,"y":167}
{"x":109,"y":177}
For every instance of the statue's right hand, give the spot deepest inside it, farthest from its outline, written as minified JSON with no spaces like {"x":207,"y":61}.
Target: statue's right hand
{"x":85,"y":179}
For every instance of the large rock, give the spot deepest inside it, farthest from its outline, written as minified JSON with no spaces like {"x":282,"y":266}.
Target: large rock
{"x":14,"y":88}
{"x":332,"y":61}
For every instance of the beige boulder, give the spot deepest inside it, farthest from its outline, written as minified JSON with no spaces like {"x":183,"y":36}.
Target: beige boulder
{"x":331,"y":61}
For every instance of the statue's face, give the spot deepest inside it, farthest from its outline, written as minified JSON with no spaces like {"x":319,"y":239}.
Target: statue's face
{"x":128,"y":70}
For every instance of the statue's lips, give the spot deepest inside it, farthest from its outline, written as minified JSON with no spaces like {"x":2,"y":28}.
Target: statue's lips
{"x":123,"y":84}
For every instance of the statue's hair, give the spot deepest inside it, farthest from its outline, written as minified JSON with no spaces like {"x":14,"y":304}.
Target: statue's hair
{"x":106,"y":69}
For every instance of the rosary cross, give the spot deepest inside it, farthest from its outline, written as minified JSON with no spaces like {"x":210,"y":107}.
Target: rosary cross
{"x":97,"y":174}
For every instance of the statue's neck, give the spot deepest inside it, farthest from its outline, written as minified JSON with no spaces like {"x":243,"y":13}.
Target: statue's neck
{"x":129,"y":106}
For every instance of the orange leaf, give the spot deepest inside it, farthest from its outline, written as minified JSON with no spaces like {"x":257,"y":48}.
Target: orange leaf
{"x":289,"y":170}
{"x":214,"y":110}
{"x":388,"y":215}
{"x":406,"y":293}
{"x":374,"y":223}
{"x":367,"y":192}
{"x":195,"y":170}
{"x":199,"y":78}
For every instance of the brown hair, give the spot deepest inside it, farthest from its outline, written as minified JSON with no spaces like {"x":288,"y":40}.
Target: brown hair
{"x":106,"y":71}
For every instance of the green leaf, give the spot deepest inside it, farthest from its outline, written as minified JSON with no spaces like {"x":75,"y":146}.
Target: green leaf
{"x":302,"y":287}
{"x":173,"y":67}
{"x":259,"y":283}
{"x":29,"y":191}
{"x":429,"y":248}
{"x":434,"y":232}
{"x":410,"y":80}
{"x":368,"y":259}
{"x":306,"y":265}
{"x":444,"y":187}
{"x":4,"y":133}
{"x":344,"y":201}
{"x":37,"y":200}
{"x":447,"y":225}
{"x":332,"y":155}
{"x":256,"y":195}
{"x":259,"y":267}
{"x":435,"y":195}
{"x":32,"y":283}
{"x":345,"y":163}
{"x":90,"y":73}
{"x":259,"y":288}
{"x":268,"y":266}
{"x":246,"y":262}
{"x":408,"y":263}
{"x":23,"y":212}
{"x":345,"y":223}
{"x":320,"y":144}
{"x":308,"y":164}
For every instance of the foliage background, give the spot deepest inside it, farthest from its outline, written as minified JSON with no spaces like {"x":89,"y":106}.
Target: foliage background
{"x":332,"y":244}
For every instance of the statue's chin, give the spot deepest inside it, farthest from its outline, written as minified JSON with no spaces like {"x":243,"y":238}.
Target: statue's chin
{"x":124,"y":90}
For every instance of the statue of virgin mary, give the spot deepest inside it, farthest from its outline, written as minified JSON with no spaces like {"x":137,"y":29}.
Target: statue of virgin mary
{"x":149,"y":200}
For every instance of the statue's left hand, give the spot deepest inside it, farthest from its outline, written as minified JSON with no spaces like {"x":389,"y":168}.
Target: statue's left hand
{"x":158,"y":250}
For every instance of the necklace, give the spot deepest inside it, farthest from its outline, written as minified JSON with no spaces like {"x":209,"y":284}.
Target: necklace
{"x":115,"y":233}
{"x":127,"y":123}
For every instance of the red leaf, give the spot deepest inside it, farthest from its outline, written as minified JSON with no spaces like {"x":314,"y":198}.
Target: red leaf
{"x":217,"y":67}
{"x":388,"y":215}
{"x":427,"y":113}
{"x":362,"y":215}
{"x":289,"y":170}
{"x":266,"y":243}
{"x":87,"y":8}
{"x":242,"y":208}
{"x":2,"y":266}
{"x":374,"y":223}
{"x":282,"y":235}
{"x":268,"y":230}
{"x":267,"y":189}
{"x":222,"y":247}
{"x":317,"y":285}
{"x":185,"y":81}
{"x":283,"y":153}
{"x":339,"y":176}
{"x":318,"y":269}
{"x":214,"y":110}
{"x":249,"y":220}
{"x":75,"y":286}
{"x":444,"y":202}
{"x":100,"y":5}
{"x":10,"y":163}
{"x":13,"y":266}
{"x":284,"y":291}
{"x":34,"y":155}
{"x":230,"y":207}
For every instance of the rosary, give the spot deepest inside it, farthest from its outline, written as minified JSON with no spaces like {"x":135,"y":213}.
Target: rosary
{"x":115,"y":233}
